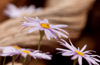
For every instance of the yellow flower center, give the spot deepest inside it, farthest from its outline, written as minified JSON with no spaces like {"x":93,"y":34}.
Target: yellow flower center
{"x":45,"y":25}
{"x":25,"y":51}
{"x":79,"y":53}
{"x":17,"y":47}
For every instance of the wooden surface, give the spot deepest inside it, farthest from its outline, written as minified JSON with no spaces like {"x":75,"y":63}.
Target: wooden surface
{"x":70,"y":12}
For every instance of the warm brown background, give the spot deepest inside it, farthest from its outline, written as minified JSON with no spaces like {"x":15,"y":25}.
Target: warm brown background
{"x":81,"y":34}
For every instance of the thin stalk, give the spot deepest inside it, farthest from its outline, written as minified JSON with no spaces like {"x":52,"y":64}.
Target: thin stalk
{"x":13,"y":60}
{"x":4,"y":60}
{"x":41,"y":36}
{"x":75,"y":61}
{"x":24,"y":61}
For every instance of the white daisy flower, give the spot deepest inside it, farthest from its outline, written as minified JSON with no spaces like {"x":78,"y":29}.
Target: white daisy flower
{"x":49,"y":29}
{"x":77,"y":53}
{"x":16,"y":12}
{"x":15,"y":50}
{"x":35,"y":54}
{"x":10,"y":51}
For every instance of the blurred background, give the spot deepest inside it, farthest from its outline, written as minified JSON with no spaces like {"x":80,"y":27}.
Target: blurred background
{"x":82,"y":17}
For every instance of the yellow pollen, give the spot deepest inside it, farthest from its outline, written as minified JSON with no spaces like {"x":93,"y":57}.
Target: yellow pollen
{"x":79,"y":53}
{"x":25,"y":51}
{"x":45,"y":25}
{"x":17,"y":47}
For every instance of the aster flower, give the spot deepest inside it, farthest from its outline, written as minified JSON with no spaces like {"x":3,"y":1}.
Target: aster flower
{"x":10,"y":51}
{"x":49,"y":29}
{"x":15,"y":50}
{"x":16,"y":12}
{"x":77,"y":53}
{"x":35,"y":54}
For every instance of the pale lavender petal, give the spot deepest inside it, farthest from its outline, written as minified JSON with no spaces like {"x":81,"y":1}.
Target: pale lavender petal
{"x":24,"y":28}
{"x":60,"y":34}
{"x":63,"y":50}
{"x":72,"y":45}
{"x":67,"y":45}
{"x":95,"y":56}
{"x":62,"y":30}
{"x":24,"y":55}
{"x":96,"y":59}
{"x":47,"y":35}
{"x":55,"y":36}
{"x":33,"y":29}
{"x":74,"y":57}
{"x":30,"y":20}
{"x":88,"y":61}
{"x":58,"y":26}
{"x":80,"y":60}
{"x":92,"y":61}
{"x":83,"y":48}
{"x":70,"y":53}
{"x":89,"y":51}
{"x":45,"y":20}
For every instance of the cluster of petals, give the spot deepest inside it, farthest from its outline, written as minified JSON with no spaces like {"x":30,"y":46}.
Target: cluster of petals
{"x":15,"y":50}
{"x":77,"y":53}
{"x":50,"y":30}
{"x":16,"y":12}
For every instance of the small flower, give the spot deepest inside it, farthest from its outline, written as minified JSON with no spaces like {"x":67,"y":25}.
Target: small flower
{"x":16,"y":12}
{"x":10,"y":51}
{"x":35,"y":54}
{"x":77,"y":53}
{"x":15,"y":50}
{"x":49,"y":29}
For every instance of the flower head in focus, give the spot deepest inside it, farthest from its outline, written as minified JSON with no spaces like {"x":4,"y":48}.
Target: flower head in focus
{"x":49,"y":29}
{"x":16,"y":12}
{"x":77,"y":53}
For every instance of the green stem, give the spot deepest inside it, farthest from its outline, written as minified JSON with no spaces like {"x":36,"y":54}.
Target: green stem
{"x":24,"y":61}
{"x":75,"y":61}
{"x":41,"y":36}
{"x":13,"y":59}
{"x":4,"y":60}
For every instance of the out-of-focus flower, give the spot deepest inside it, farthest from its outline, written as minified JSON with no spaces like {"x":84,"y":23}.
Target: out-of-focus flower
{"x":16,"y":12}
{"x":77,"y":53}
{"x":49,"y":29}
{"x":10,"y":51}
{"x":35,"y":54}
{"x":15,"y":50}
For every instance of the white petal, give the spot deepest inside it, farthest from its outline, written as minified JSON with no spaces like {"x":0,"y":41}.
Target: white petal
{"x":67,"y":45}
{"x":83,"y":48}
{"x":80,"y":60}
{"x":63,"y":50}
{"x":92,"y":61}
{"x":68,"y":53}
{"x":96,"y":59}
{"x":33,"y":29}
{"x":62,"y":30}
{"x":47,"y":35}
{"x":72,"y":45}
{"x":88,"y":61}
{"x":45,"y":20}
{"x":58,"y":26}
{"x":60,"y":34}
{"x":74,"y":57}
{"x":24,"y":55}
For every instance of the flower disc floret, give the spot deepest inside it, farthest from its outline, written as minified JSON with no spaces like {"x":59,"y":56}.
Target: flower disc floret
{"x":17,"y":47}
{"x":79,"y":53}
{"x":25,"y":51}
{"x":45,"y":25}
